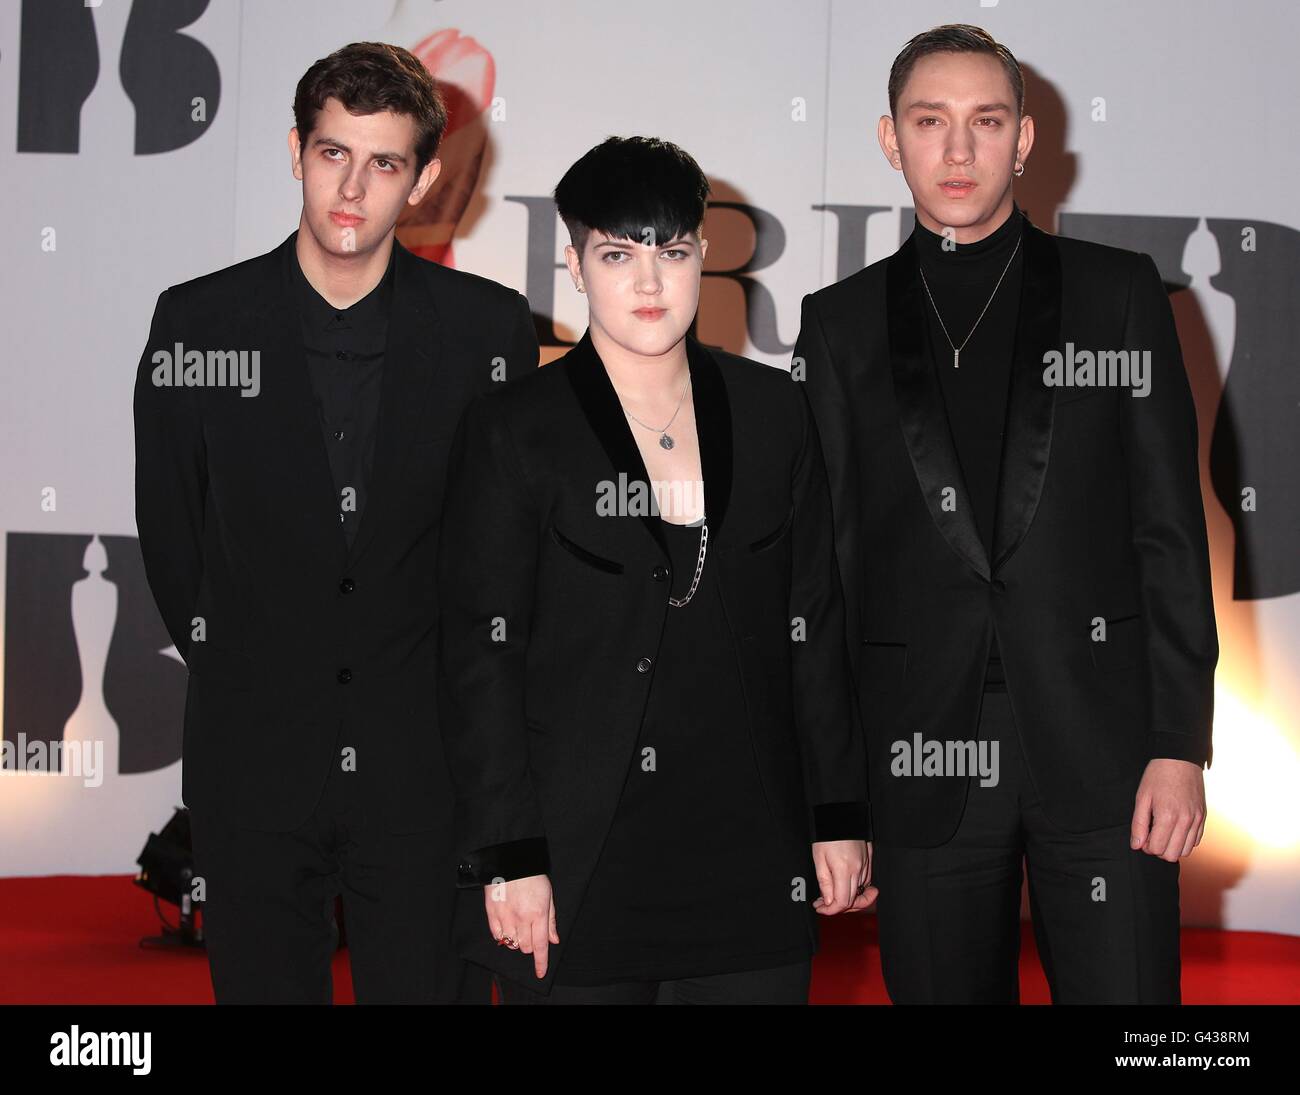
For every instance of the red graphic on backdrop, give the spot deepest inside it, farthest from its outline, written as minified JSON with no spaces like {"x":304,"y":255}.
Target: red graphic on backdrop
{"x":466,"y":75}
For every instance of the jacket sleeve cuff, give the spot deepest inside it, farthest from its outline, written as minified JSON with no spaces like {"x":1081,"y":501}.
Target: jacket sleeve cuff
{"x":1166,"y":743}
{"x":503,"y":862}
{"x":842,"y":821}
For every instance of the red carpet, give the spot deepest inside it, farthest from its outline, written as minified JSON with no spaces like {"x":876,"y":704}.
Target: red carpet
{"x":74,"y":940}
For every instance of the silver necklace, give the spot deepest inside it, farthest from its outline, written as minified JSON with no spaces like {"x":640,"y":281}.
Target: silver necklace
{"x":956,"y":350}
{"x":665,"y":441}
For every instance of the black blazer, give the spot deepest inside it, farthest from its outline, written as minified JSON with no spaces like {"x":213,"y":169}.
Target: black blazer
{"x":238,"y":524}
{"x":552,"y":617}
{"x":1098,"y":515}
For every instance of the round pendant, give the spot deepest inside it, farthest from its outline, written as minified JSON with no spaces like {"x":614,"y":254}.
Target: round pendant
{"x":665,"y":442}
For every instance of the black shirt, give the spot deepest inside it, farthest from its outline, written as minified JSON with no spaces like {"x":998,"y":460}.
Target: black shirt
{"x":961,"y":279}
{"x":345,"y":358}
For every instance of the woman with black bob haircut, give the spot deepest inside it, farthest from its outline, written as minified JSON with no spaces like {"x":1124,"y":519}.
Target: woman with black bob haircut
{"x":644,"y":690}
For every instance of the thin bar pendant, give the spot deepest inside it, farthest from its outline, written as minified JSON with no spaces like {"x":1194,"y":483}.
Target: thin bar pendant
{"x":956,"y":350}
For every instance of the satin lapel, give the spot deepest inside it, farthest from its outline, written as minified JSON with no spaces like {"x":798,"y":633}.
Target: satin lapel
{"x":713,"y":429}
{"x":921,"y":412}
{"x":287,"y":393}
{"x":410,"y":359}
{"x":1027,"y":439}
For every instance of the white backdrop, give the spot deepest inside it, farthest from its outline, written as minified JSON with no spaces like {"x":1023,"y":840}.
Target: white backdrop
{"x":1162,"y":126}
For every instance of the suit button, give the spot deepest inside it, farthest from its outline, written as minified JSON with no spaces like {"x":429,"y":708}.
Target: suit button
{"x":345,"y":675}
{"x":643,"y":666}
{"x":347,"y":585}
{"x":660,"y":573}
{"x":999,"y":586}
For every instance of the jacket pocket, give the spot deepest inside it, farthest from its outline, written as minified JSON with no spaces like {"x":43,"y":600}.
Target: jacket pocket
{"x":1122,"y":647}
{"x":1068,"y":395}
{"x":883,"y":666}
{"x":767,"y":540}
{"x":588,"y":557}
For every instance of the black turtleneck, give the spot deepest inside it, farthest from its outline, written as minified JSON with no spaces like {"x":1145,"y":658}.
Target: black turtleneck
{"x":961,"y":277}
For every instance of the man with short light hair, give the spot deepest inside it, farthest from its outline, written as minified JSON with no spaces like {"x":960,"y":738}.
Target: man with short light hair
{"x":1022,"y":544}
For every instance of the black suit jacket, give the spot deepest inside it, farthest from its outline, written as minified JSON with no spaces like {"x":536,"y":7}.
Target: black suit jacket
{"x":1099,"y":516}
{"x":552,"y":617}
{"x":309,"y":647}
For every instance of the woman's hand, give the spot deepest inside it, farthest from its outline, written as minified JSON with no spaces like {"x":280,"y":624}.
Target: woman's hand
{"x":844,"y":875}
{"x":522,"y":912}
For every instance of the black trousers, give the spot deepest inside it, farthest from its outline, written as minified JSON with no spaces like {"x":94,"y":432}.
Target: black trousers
{"x":1105,"y":917}
{"x":778,"y":985}
{"x":268,"y":916}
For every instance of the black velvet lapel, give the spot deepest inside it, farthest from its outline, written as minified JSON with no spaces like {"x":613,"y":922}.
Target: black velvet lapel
{"x":1027,"y":441}
{"x":604,"y":413}
{"x":921,"y":411}
{"x":713,"y":427}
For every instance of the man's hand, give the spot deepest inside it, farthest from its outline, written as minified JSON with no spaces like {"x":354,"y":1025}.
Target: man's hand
{"x":522,"y":912}
{"x":1169,"y":813}
{"x":844,"y":874}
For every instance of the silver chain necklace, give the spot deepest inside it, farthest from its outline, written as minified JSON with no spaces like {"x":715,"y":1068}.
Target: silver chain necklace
{"x":665,"y":441}
{"x":956,"y":350}
{"x":679,"y":602}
